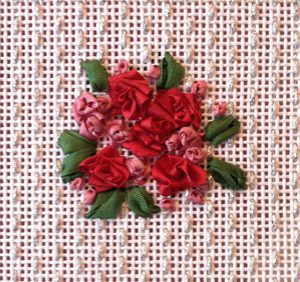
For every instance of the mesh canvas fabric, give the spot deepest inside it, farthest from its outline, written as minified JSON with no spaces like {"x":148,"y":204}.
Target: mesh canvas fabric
{"x":248,"y":51}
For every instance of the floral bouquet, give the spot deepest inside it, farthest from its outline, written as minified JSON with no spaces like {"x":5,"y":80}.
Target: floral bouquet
{"x":159,"y":127}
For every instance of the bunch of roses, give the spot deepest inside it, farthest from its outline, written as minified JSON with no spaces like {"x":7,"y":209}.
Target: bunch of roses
{"x":161,"y":129}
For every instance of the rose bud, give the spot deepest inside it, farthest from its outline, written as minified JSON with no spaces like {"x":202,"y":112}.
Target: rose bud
{"x":167,"y":205}
{"x":104,"y":104}
{"x":189,"y":137}
{"x":195,"y":155}
{"x":92,"y":127}
{"x":89,"y":196}
{"x":199,"y":88}
{"x":220,"y":109}
{"x":153,"y":73}
{"x":173,"y":143}
{"x":91,"y":122}
{"x":78,"y":184}
{"x":117,"y":132}
{"x":84,"y":105}
{"x":138,"y":170}
{"x":196,"y":196}
{"x":121,"y":67}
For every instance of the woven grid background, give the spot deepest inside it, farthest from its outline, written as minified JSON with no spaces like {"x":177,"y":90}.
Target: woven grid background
{"x":248,"y":51}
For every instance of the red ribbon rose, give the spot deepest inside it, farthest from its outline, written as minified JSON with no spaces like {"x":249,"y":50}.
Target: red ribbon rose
{"x":106,"y":170}
{"x":130,"y":94}
{"x":174,"y":174}
{"x":182,"y":107}
{"x":150,"y":134}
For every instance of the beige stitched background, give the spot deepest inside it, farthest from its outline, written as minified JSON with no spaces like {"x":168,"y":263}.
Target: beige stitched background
{"x":248,"y":51}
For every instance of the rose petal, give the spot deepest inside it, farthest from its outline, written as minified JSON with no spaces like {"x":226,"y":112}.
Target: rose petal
{"x":182,"y":107}
{"x":175,"y":174}
{"x":130,"y":94}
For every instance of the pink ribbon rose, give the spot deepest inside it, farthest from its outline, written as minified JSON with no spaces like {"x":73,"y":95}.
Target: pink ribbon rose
{"x":173,"y":143}
{"x":78,"y":184}
{"x":220,"y":109}
{"x":104,"y":104}
{"x":117,"y":132}
{"x":91,"y":122}
{"x":167,"y":205}
{"x":121,"y":67}
{"x":199,"y":88}
{"x":185,"y":138}
{"x":89,"y":196}
{"x":84,"y":105}
{"x":196,"y":197}
{"x":138,"y":170}
{"x":195,"y":155}
{"x":92,"y":127}
{"x":153,"y":73}
{"x":189,"y":137}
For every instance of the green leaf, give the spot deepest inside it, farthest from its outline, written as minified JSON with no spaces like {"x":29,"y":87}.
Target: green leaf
{"x":226,"y":134}
{"x":223,"y":178}
{"x":97,"y":75}
{"x":171,"y":73}
{"x":71,"y":141}
{"x":228,"y":175}
{"x":141,"y":202}
{"x":221,"y":129}
{"x":78,"y":148}
{"x":232,"y":169}
{"x":217,"y":126}
{"x":108,"y":204}
{"x":102,"y":197}
{"x":70,"y":166}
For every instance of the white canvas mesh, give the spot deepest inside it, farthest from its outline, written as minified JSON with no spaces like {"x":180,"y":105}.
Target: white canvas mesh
{"x":248,"y":51}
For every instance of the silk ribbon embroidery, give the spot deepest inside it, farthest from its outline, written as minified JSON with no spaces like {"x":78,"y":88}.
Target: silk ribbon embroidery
{"x":161,"y":125}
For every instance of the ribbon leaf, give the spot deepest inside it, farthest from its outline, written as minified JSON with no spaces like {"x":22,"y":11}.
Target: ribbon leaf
{"x":71,"y":141}
{"x":78,"y":148}
{"x":141,"y":202}
{"x":221,"y":129}
{"x":107,"y":205}
{"x":171,"y":73}
{"x":97,"y":75}
{"x":70,"y":166}
{"x":228,"y":175}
